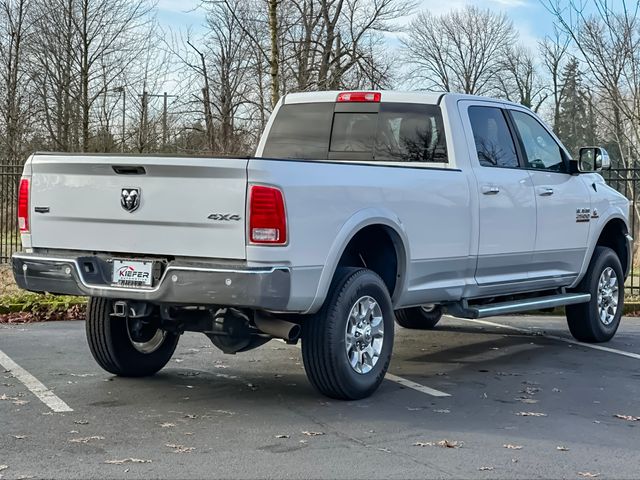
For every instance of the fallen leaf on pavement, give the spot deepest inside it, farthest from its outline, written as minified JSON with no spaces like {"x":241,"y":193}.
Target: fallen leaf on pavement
{"x":449,"y":444}
{"x":191,"y":416}
{"x":484,"y":469}
{"x":180,"y":448}
{"x":588,"y":474}
{"x":19,"y":437}
{"x":127,"y":460}
{"x":531,"y":414}
{"x":442,"y":443}
{"x":312,"y":434}
{"x":282,"y":436}
{"x":629,"y":418}
{"x":530,"y":390}
{"x":562,"y":448}
{"x":81,"y":422}
{"x":86,"y":439}
{"x":512,"y":447}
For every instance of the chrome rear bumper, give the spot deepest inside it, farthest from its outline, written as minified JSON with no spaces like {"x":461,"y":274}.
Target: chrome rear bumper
{"x":192,"y":283}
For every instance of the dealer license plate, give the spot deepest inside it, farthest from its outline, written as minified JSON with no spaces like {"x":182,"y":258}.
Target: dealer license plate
{"x":132,"y":273}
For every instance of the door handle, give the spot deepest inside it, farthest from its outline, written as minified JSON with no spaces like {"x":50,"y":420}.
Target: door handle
{"x":545,"y":191}
{"x":490,"y":189}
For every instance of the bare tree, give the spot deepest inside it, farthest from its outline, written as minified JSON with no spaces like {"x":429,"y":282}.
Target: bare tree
{"x":459,"y":51}
{"x":15,"y":28}
{"x":86,"y":46}
{"x":519,"y":81}
{"x":554,"y":51}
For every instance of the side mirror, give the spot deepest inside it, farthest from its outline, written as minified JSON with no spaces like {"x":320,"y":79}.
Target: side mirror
{"x":593,"y":159}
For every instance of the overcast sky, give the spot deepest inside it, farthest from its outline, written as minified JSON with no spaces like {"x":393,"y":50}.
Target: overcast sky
{"x":529,"y":16}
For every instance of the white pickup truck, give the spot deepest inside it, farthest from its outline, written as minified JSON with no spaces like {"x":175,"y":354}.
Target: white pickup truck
{"x":358,"y":208}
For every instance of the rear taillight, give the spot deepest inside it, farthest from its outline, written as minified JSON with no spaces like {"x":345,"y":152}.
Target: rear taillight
{"x":359,"y":97}
{"x":23,"y":206}
{"x":267,"y":217}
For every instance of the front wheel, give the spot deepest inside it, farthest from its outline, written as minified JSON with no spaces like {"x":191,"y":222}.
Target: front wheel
{"x":598,"y":320}
{"x":127,"y":347}
{"x":347,"y":345}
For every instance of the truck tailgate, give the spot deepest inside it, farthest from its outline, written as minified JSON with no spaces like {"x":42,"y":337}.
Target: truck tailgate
{"x":185,"y":207}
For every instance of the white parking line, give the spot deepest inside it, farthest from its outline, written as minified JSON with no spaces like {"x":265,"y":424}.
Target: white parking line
{"x":36,"y":387}
{"x":554,"y":337}
{"x":409,"y":384}
{"x":416,"y":386}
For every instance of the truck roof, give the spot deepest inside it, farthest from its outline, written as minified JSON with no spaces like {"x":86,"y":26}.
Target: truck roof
{"x":432,"y":98}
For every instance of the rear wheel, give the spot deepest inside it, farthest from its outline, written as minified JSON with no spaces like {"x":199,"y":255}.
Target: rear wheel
{"x":424,"y":317}
{"x":598,"y":319}
{"x":346,"y":347}
{"x":127,"y":347}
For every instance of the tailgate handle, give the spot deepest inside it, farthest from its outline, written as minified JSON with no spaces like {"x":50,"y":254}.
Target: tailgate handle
{"x":129,"y":170}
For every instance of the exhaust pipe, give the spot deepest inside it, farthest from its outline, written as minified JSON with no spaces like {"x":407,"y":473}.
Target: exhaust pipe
{"x":289,"y":332}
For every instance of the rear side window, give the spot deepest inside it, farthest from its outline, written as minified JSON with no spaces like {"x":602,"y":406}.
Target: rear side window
{"x":391,"y":132}
{"x":494,"y":143}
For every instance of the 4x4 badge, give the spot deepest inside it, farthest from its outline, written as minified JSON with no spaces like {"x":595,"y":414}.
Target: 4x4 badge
{"x":130,"y":198}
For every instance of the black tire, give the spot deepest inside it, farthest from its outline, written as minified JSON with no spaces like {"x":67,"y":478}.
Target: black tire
{"x":324,"y":345}
{"x":417,"y":318}
{"x":111,"y":345}
{"x":584,"y":318}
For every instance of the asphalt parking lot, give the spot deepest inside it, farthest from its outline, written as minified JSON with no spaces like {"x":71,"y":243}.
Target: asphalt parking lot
{"x":521,"y":404}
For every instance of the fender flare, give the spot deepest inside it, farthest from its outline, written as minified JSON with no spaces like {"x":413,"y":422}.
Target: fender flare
{"x":359,"y":220}
{"x":611,"y":214}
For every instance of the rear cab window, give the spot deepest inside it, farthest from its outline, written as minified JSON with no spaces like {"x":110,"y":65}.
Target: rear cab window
{"x":368,"y":132}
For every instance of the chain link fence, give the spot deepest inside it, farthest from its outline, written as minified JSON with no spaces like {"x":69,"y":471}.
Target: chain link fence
{"x":625,"y":180}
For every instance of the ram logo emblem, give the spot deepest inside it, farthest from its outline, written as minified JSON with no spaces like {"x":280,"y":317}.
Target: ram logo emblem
{"x":130,"y":199}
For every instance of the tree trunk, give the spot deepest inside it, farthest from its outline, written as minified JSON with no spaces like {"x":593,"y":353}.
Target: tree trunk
{"x":274,"y":62}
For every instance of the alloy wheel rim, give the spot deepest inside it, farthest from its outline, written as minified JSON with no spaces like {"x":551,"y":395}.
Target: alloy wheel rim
{"x":364,"y":334}
{"x":607,"y":296}
{"x":144,"y":337}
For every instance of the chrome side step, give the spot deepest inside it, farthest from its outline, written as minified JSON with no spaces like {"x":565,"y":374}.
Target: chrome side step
{"x":464,"y":310}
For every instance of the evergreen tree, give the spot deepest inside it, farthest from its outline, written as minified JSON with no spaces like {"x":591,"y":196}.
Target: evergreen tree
{"x":575,"y":125}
